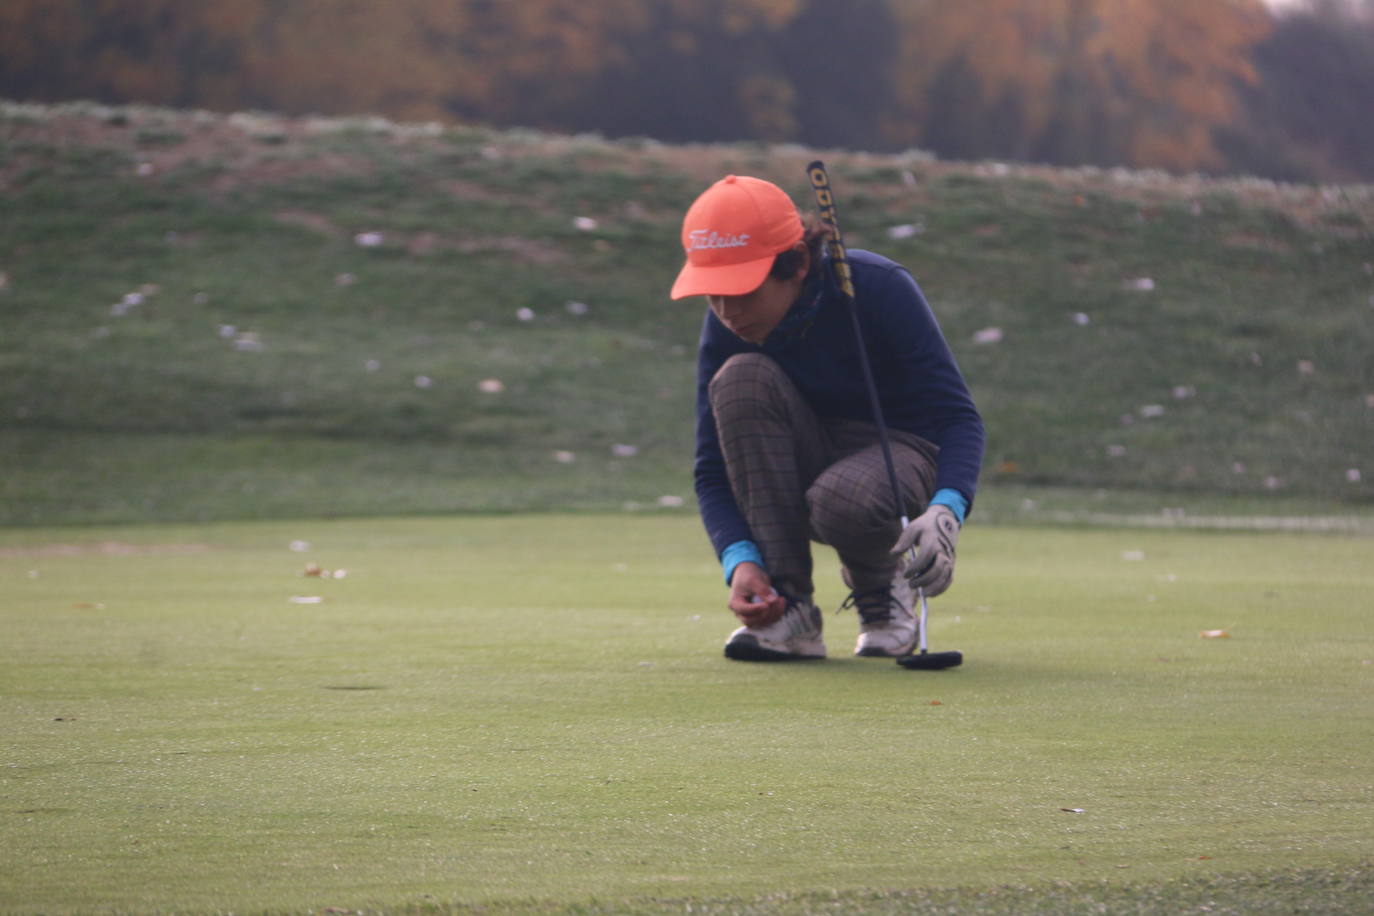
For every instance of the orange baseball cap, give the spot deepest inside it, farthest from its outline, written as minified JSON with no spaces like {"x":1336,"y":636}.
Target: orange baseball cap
{"x":731,"y":234}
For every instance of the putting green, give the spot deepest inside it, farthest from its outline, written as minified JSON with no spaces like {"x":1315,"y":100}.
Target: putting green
{"x":536,"y":709}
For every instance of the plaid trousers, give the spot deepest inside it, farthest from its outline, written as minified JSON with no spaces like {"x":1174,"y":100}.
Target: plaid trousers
{"x":800,"y":478}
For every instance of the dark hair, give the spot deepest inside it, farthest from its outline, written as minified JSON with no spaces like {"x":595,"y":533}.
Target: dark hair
{"x":786,"y":264}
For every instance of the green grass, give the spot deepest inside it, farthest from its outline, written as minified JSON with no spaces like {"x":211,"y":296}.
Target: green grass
{"x":182,"y":737}
{"x":272,"y":373}
{"x":532,"y":714}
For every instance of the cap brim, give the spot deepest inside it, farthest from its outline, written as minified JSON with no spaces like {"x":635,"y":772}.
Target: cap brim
{"x":725,"y":280}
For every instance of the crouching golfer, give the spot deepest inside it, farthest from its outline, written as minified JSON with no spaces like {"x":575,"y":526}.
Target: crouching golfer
{"x":787,"y":452}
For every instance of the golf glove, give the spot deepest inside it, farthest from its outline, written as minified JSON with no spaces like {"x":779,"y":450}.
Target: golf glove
{"x":926,"y":548}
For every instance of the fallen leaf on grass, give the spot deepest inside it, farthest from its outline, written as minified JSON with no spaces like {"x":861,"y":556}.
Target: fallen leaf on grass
{"x":904,"y":231}
{"x":936,"y":703}
{"x":248,"y":342}
{"x":1214,"y":634}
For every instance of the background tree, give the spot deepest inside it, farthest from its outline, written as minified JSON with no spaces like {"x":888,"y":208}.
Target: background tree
{"x":1312,"y":113}
{"x":1139,"y":82}
{"x":1176,"y":84}
{"x":109,"y":50}
{"x":725,"y":70}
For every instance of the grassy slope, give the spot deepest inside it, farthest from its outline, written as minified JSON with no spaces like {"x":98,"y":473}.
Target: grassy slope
{"x":181,"y":737}
{"x":250,"y":222}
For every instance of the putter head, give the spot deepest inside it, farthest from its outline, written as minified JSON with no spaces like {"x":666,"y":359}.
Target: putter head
{"x":931,"y":661}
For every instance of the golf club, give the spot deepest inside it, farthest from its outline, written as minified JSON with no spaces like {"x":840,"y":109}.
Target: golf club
{"x":924,"y":660}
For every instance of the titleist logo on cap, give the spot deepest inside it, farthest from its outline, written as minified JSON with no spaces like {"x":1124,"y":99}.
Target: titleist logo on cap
{"x":702,"y":238}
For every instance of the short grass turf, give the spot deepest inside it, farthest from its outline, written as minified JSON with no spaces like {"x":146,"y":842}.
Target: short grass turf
{"x":532,"y":713}
{"x":192,"y":331}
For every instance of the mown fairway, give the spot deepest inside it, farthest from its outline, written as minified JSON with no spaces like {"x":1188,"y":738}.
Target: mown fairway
{"x":534,"y":712}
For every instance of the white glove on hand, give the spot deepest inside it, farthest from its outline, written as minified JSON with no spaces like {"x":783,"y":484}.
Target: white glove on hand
{"x":932,"y":536}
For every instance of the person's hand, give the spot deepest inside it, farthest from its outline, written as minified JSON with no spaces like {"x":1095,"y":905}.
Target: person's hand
{"x":752,"y":596}
{"x":927,"y":550}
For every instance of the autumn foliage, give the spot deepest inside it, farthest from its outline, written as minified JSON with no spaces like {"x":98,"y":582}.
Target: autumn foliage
{"x":1135,"y":82}
{"x":1132,"y":81}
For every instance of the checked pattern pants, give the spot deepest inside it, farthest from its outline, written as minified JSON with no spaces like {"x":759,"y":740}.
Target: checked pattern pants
{"x":800,"y":478}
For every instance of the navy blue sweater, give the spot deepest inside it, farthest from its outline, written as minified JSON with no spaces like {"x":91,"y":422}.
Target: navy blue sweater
{"x":919,"y":385}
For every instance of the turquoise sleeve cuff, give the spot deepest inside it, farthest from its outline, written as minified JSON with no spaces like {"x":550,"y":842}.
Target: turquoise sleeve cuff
{"x":737,"y":553}
{"x":953,"y":500}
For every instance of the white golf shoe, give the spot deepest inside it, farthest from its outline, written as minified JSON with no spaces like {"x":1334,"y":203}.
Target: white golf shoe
{"x":887,"y":626}
{"x":795,"y":636}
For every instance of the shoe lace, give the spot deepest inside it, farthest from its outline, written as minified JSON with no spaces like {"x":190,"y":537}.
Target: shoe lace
{"x":873,"y":606}
{"x":796,"y":608}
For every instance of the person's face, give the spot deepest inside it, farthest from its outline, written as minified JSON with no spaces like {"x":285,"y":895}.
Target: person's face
{"x":753,"y":315}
